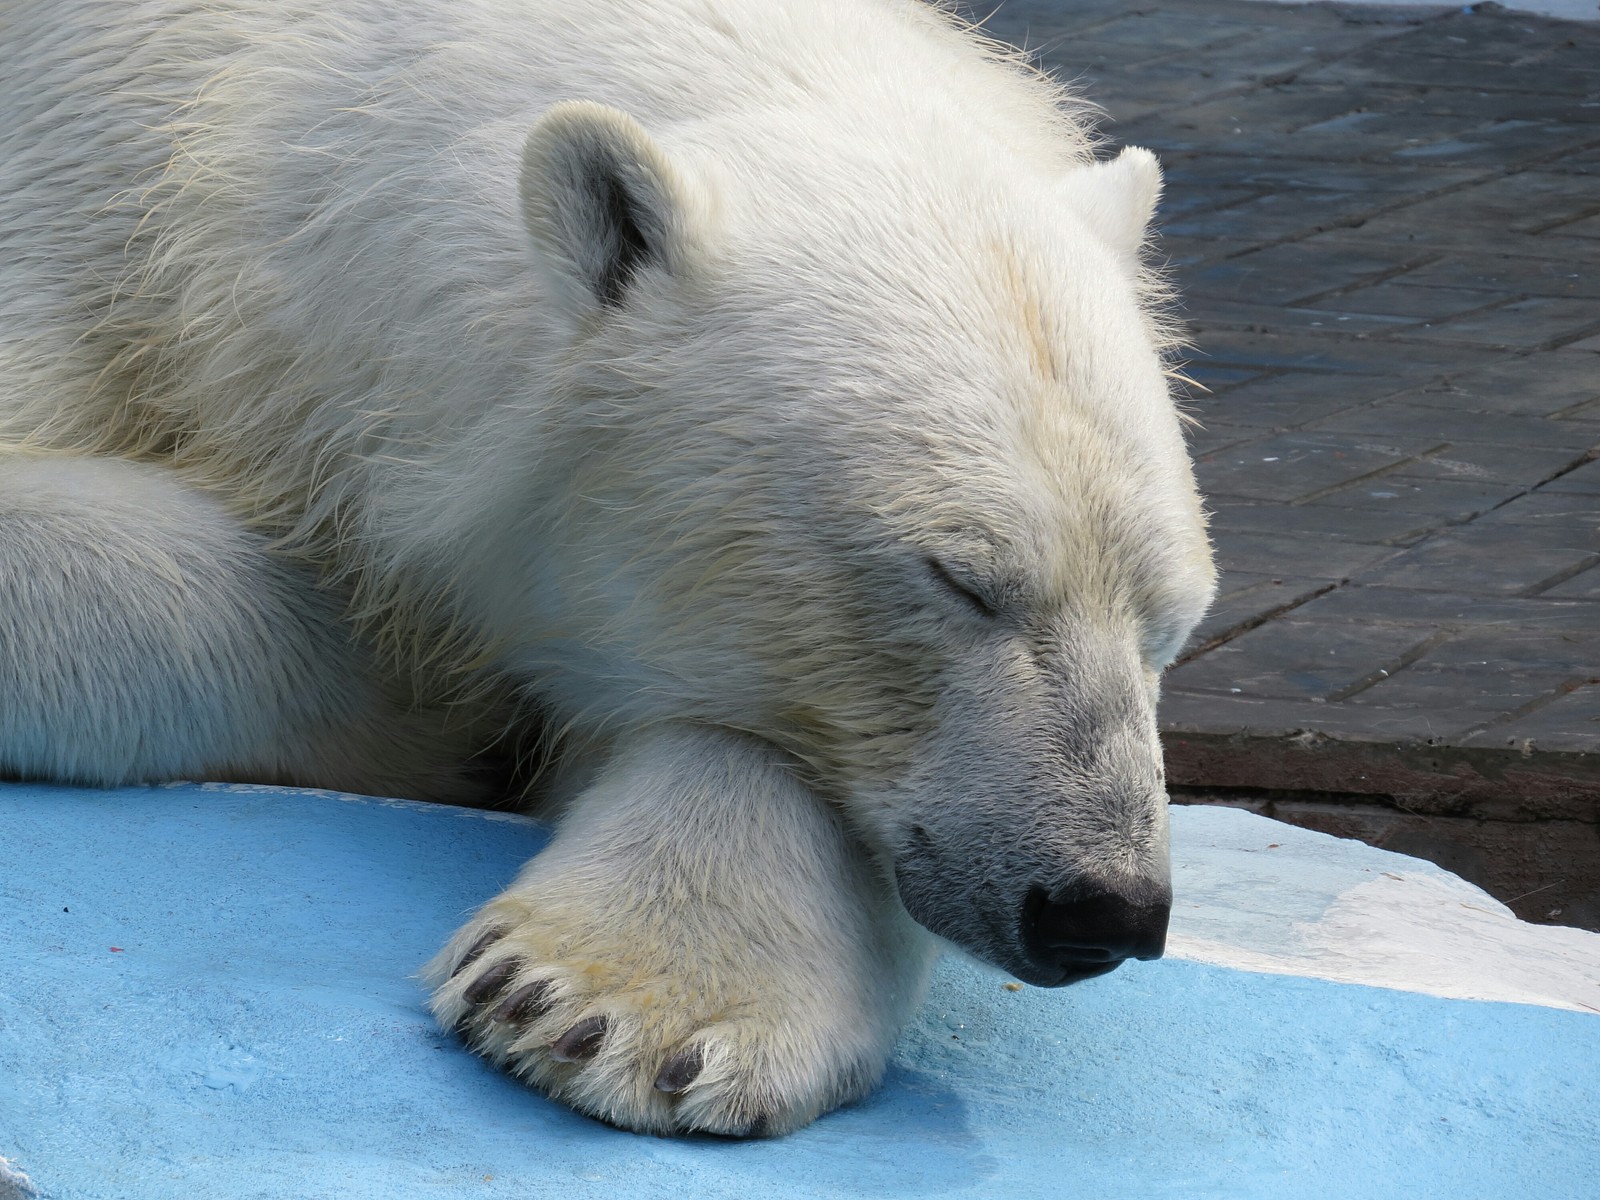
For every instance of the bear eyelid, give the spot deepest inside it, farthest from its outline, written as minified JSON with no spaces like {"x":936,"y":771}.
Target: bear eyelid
{"x":969,"y":592}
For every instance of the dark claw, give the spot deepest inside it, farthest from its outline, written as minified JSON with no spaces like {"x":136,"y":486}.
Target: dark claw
{"x":477,"y":948}
{"x":680,"y":1069}
{"x":581,"y":1042}
{"x":491,"y":981}
{"x":528,"y":1003}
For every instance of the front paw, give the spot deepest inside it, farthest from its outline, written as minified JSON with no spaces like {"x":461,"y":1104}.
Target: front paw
{"x":671,"y":1021}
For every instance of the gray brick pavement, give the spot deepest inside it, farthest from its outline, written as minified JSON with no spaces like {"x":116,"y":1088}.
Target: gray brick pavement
{"x":1386,"y":225}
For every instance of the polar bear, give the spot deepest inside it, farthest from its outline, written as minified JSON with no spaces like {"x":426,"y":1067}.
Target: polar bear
{"x":748,"y":415}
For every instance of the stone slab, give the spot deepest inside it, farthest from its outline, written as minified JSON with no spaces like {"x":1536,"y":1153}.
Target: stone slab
{"x":1402,"y":417}
{"x":1296,"y":466}
{"x":1296,"y":659}
{"x":1283,"y":400}
{"x":1540,"y":385}
{"x":1451,"y":611}
{"x":1246,"y":599}
{"x":1443,"y":502}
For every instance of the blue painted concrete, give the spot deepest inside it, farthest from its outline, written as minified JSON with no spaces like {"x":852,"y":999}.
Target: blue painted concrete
{"x":254,"y":1033}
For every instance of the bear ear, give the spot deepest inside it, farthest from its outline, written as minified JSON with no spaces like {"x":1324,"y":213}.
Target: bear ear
{"x":602,"y":203}
{"x":1118,"y":198}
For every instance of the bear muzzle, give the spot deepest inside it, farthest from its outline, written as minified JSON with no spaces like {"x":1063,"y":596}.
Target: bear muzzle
{"x":1045,"y":935}
{"x":1087,"y":930}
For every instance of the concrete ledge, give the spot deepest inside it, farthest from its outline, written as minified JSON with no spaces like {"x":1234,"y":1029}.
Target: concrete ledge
{"x":1511,"y":784}
{"x":207,"y":994}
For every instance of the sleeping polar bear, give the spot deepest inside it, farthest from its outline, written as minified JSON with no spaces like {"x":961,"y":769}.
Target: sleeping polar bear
{"x":751,"y":413}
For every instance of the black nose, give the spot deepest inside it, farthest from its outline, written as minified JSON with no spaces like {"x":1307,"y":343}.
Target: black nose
{"x":1084,"y":931}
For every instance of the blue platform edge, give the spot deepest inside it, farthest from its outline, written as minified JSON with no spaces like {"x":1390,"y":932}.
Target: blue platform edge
{"x":208,"y":992}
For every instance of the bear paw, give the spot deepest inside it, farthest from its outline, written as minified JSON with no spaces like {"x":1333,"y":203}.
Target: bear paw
{"x":633,"y":1018}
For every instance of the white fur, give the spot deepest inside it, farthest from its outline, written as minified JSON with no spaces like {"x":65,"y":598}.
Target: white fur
{"x":795,"y":974}
{"x":349,"y":276}
{"x":148,"y":635}
{"x":1117,"y":198}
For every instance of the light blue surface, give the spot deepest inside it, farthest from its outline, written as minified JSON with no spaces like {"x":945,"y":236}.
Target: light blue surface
{"x":257,"y":1034}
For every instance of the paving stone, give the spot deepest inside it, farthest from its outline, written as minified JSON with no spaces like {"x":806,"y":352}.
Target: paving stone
{"x":1212,"y":437}
{"x":1540,"y":384}
{"x":1563,"y":652}
{"x":1187,"y":29}
{"x":1497,"y":560}
{"x":1284,"y":274}
{"x":1292,"y":466}
{"x":1540,"y":273}
{"x":1385,"y":66}
{"x":1277,"y":110}
{"x":1525,"y":202}
{"x":1401,"y":417}
{"x":1295,"y":659}
{"x":1583,"y":586}
{"x":1388,"y":129}
{"x":1463,"y":699}
{"x":1216,"y":380}
{"x":1362,"y":602}
{"x":1580,"y":162}
{"x":1288,"y":399}
{"x":1286,"y":554}
{"x":1478,"y":146}
{"x":1481,"y":462}
{"x":1275,"y":216}
{"x":1534,"y":323}
{"x":1413,"y":362}
{"x":1226,"y":314}
{"x":1572,"y":118}
{"x":1268,"y":51}
{"x":1571,"y":721}
{"x":1504,"y":38}
{"x":1183,"y":254}
{"x":1446,"y":501}
{"x":1184,"y":201}
{"x":1261,"y":719}
{"x":1584,"y":479}
{"x":1387,"y":21}
{"x":1495,"y":144}
{"x":1584,"y":227}
{"x":1216,"y":171}
{"x":1565,"y":510}
{"x":1131,"y":92}
{"x":1245,"y":598}
{"x":1407,"y":300}
{"x":1022,"y":22}
{"x":1373,"y":527}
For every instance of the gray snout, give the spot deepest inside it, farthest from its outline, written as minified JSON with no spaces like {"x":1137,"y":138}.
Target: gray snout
{"x":1088,"y":930}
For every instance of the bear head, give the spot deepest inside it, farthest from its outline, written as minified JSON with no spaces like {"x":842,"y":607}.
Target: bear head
{"x":865,"y":446}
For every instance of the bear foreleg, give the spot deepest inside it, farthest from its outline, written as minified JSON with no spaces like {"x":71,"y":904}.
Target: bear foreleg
{"x":703,"y":947}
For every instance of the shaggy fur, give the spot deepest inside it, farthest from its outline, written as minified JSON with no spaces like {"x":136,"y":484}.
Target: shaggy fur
{"x":769,"y":393}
